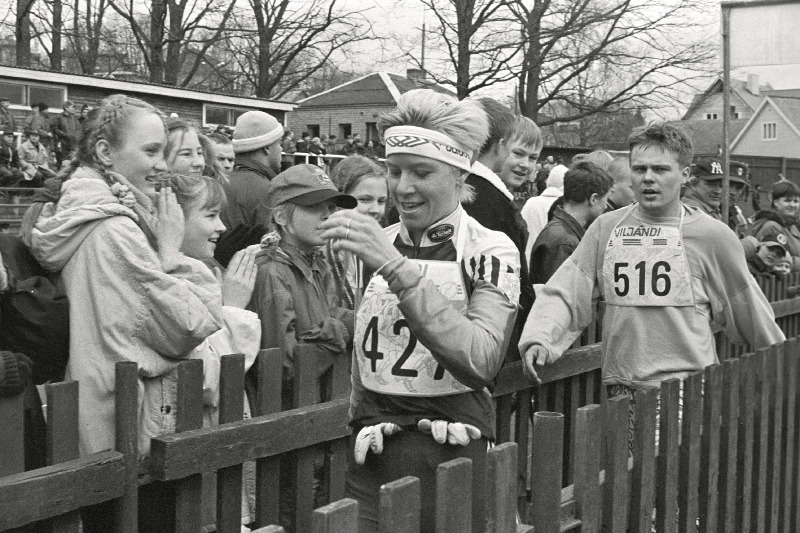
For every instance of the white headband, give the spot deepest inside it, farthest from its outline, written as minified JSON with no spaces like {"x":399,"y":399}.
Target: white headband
{"x":427,"y":143}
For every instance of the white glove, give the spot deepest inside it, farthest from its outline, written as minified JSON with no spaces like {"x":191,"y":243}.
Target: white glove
{"x":371,"y":438}
{"x":450,"y":432}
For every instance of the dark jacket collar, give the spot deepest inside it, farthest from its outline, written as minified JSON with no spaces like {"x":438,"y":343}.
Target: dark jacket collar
{"x":569,"y":221}
{"x":249,"y":163}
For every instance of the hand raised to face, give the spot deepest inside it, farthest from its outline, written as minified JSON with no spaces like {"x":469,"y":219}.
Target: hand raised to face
{"x":361,"y":235}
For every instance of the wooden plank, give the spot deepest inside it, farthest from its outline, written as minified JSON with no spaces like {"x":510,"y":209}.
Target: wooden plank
{"x":761,"y":440}
{"x":505,"y":407}
{"x":12,"y":435}
{"x":454,"y":496}
{"x":574,"y":401}
{"x":229,"y":479}
{"x":729,"y":433}
{"x":340,"y":388}
{"x":615,"y":505}
{"x":269,"y":529}
{"x":789,"y":436}
{"x":501,"y":488}
{"x":126,"y":404}
{"x":522,"y":431}
{"x":306,"y":392}
{"x":643,"y":476}
{"x":588,"y":430}
{"x":202,"y":450}
{"x":745,"y":443}
{"x":270,"y":388}
{"x":573,"y":362}
{"x":548,"y":435}
{"x":690,"y":453}
{"x":774,"y":462}
{"x":189,"y":491}
{"x":63,"y":439}
{"x":710,"y":449}
{"x":400,"y":506}
{"x":336,"y":517}
{"x":62,"y":488}
{"x":668,"y":458}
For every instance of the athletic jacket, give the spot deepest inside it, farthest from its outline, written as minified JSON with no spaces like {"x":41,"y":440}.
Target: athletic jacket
{"x":470,"y":346}
{"x":643,"y":346}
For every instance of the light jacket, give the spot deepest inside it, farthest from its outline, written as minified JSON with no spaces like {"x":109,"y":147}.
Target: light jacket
{"x":123,"y":306}
{"x":32,"y":157}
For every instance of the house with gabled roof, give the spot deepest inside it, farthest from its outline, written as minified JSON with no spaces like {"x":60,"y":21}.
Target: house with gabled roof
{"x":355,"y":106}
{"x":772,"y":131}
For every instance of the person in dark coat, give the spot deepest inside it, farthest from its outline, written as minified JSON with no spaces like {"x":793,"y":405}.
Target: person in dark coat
{"x":511,"y":151}
{"x":66,"y":132}
{"x":7,"y":122}
{"x":586,"y":191}
{"x":10,"y":166}
{"x":257,"y":145}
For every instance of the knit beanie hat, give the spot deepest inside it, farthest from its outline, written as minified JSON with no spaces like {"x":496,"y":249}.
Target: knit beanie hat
{"x":556,"y":177}
{"x":254,"y":130}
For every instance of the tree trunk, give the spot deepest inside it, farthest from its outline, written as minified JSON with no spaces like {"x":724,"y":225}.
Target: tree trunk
{"x":530,"y":75}
{"x":465,"y":10}
{"x":55,"y":54}
{"x":172,"y":66}
{"x":262,"y":85}
{"x":157,"y":18}
{"x":22,"y":33}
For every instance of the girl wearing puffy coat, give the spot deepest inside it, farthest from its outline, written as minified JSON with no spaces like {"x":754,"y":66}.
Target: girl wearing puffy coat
{"x":133,"y":297}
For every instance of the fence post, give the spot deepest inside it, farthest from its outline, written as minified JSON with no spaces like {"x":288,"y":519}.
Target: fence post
{"x":454,"y":496}
{"x":63,"y":439}
{"x":340,"y":388}
{"x":775,"y":462}
{"x":643,"y":482}
{"x":12,"y":441}
{"x":588,"y":430}
{"x":270,"y":389}
{"x":690,"y":453}
{"x":710,"y":449}
{"x":790,"y":436}
{"x":728,"y":452}
{"x":400,"y":506}
{"x":617,"y":420}
{"x":501,"y":488}
{"x":306,"y":391}
{"x":761,"y":441}
{"x":546,"y":461}
{"x":745,"y":445}
{"x":668,"y":458}
{"x":336,"y":517}
{"x":229,"y":479}
{"x":126,"y":403}
{"x":189,"y":491}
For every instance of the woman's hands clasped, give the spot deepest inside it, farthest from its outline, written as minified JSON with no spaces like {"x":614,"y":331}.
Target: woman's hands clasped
{"x":361,"y":235}
{"x":239,"y":279}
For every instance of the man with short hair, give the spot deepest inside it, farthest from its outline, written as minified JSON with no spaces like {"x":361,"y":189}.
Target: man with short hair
{"x":622,"y":193}
{"x":39,"y":121}
{"x":513,"y":141}
{"x":224,"y":150}
{"x":7,"y":122}
{"x":67,"y":133}
{"x":586,"y":190}
{"x":665,"y":272}
{"x":704,"y":189}
{"x":257,"y":145}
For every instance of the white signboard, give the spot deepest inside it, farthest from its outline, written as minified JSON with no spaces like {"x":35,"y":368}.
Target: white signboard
{"x":765,"y":35}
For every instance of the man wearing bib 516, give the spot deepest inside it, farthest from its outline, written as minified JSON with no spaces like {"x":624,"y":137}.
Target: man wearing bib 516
{"x":667,"y":272}
{"x":432,"y":328}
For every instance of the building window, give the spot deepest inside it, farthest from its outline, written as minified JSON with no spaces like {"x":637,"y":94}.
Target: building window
{"x":27,"y":94}
{"x":711,"y":116}
{"x":313,"y":129}
{"x":769,"y":131}
{"x":734,"y":114}
{"x":216,"y":115}
{"x":372,"y":132}
{"x":345,"y":130}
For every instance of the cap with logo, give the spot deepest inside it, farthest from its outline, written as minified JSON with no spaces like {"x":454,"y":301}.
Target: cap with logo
{"x":307,"y":185}
{"x":775,"y":239}
{"x":711,"y":169}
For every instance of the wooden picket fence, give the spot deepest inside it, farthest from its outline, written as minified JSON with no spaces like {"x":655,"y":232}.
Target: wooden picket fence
{"x":736,"y":443}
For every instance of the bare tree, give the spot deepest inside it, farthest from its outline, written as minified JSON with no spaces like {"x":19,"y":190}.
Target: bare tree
{"x":590,"y":56}
{"x":175,"y":35}
{"x":292,"y":41}
{"x":478,"y":46}
{"x":22,"y":32}
{"x":86,"y":34}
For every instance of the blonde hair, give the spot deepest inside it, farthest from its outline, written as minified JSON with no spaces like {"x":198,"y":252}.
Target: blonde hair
{"x":463,"y":121}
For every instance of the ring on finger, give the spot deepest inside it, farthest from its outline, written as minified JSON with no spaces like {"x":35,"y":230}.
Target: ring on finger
{"x":348,"y":223}
{"x":347,"y":234}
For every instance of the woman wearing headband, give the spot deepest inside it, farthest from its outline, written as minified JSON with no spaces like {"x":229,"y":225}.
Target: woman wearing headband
{"x":435,"y":318}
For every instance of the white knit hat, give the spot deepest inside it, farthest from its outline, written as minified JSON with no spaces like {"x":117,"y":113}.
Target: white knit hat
{"x":556,"y":177}
{"x":254,"y":130}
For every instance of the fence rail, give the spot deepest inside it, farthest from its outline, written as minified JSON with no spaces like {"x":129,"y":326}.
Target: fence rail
{"x":728,"y":454}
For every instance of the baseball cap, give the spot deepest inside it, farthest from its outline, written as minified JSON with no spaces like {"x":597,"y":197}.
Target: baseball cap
{"x":307,"y":185}
{"x":711,"y":169}
{"x":775,"y":239}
